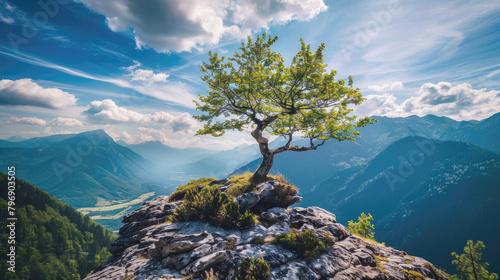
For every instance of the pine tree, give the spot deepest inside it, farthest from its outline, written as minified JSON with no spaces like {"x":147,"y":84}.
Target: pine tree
{"x":469,"y":264}
{"x":363,"y":227}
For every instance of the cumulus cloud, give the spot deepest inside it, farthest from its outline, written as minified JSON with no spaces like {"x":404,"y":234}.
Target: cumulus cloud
{"x":183,"y":25}
{"x":28,"y":93}
{"x":377,"y":105}
{"x":107,"y":111}
{"x":460,"y":102}
{"x":27,"y":120}
{"x":387,"y":87}
{"x":145,"y":75}
{"x":59,"y":121}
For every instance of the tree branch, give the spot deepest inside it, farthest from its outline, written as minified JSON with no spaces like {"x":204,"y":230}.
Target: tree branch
{"x":287,"y":147}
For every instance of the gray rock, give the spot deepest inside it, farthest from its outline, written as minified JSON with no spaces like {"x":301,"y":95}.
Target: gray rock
{"x":361,"y":273}
{"x":206,"y":262}
{"x":328,"y":265}
{"x":109,"y":273}
{"x":275,"y":215}
{"x":294,"y":271}
{"x":337,"y":230}
{"x":269,"y":197}
{"x":261,"y":231}
{"x":148,"y":248}
{"x":180,"y":243}
{"x":365,"y":259}
{"x":266,"y":193}
{"x":182,"y":260}
{"x":152,"y":212}
{"x":274,"y":255}
{"x":321,"y":214}
{"x":247,"y":200}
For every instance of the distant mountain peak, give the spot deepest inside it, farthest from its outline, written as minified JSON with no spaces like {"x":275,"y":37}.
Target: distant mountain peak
{"x":97,"y":135}
{"x":16,"y":138}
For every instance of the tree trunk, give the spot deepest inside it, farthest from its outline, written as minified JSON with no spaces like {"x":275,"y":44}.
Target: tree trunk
{"x":260,"y":174}
{"x":472,"y":260}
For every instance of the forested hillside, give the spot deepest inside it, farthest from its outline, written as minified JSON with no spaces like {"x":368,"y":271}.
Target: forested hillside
{"x":52,"y":239}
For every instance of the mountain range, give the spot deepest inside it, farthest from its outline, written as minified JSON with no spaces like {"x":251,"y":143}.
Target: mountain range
{"x":178,"y":166}
{"x":80,"y":169}
{"x":422,"y":178}
{"x":421,"y":197}
{"x":312,"y":167}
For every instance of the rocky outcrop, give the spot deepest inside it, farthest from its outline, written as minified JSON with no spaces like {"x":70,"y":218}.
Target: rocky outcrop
{"x":149,"y":247}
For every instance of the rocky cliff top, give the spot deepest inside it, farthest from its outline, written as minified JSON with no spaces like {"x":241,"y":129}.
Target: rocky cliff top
{"x":151,"y":247}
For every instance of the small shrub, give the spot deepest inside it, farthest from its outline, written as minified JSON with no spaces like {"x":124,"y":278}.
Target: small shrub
{"x":306,"y":244}
{"x":378,"y":260}
{"x":258,"y":240}
{"x":438,"y":273}
{"x":182,"y":190}
{"x":253,"y":269}
{"x":413,"y":275}
{"x":142,"y":257}
{"x":247,"y":219}
{"x":210,"y":204}
{"x":284,"y":193}
{"x":328,"y":239}
{"x":230,"y":245}
{"x":363,"y":227}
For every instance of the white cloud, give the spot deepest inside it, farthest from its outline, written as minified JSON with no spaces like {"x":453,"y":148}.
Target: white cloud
{"x":377,"y":105}
{"x":7,"y":20}
{"x":173,"y":92}
{"x":460,"y":102}
{"x":387,"y":87}
{"x":26,"y":92}
{"x":27,"y":120}
{"x":165,"y":137}
{"x":59,"y":121}
{"x":183,"y":25}
{"x":107,"y":111}
{"x":145,"y":75}
{"x":28,"y":132}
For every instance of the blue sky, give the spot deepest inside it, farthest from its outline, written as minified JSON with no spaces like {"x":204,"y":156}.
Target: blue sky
{"x":132,"y":69}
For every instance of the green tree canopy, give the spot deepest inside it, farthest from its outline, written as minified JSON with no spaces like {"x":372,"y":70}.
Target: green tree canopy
{"x":363,"y":227}
{"x":255,"y":88}
{"x":470,"y":265}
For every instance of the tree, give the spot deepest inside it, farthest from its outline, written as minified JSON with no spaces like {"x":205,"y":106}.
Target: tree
{"x":469,"y":265}
{"x":363,"y":227}
{"x":254,"y":88}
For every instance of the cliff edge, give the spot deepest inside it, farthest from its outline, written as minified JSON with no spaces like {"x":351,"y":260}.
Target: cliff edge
{"x":151,"y":246}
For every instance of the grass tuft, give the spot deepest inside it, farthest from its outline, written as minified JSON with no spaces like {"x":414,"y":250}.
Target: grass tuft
{"x":182,"y":190}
